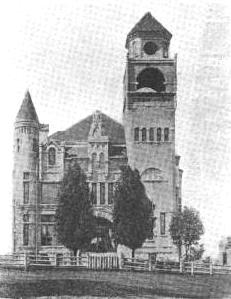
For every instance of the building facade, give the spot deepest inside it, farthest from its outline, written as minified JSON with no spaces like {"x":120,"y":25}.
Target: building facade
{"x":145,"y":141}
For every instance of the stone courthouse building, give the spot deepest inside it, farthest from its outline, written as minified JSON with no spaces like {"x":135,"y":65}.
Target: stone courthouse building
{"x":101,"y":145}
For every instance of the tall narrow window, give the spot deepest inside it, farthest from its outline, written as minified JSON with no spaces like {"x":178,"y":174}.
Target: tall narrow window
{"x":102,"y":193}
{"x":101,"y":161}
{"x":18,"y":145}
{"x":47,"y":223}
{"x":26,"y":192}
{"x":25,"y":234}
{"x":162,"y":223}
{"x":144,"y":134}
{"x":151,"y":134}
{"x":52,"y":156}
{"x":158,"y":136}
{"x":110,"y":193}
{"x":94,"y":161}
{"x":35,"y":145}
{"x":25,"y":230}
{"x":166,"y":134}
{"x":136,"y":134}
{"x":94,"y":193}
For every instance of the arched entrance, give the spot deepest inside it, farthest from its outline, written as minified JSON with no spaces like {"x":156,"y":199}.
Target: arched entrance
{"x":103,"y":241}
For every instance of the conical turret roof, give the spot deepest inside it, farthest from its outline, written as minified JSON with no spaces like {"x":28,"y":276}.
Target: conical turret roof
{"x":148,"y":24}
{"x":27,"y":110}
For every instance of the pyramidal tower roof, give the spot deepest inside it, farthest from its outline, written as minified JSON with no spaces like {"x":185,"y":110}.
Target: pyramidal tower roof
{"x":148,"y":24}
{"x":27,"y":110}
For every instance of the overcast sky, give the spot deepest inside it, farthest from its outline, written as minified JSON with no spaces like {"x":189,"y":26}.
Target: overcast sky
{"x":71,"y":56}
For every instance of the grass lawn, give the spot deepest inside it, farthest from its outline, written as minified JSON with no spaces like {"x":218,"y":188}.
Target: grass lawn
{"x":111,"y":283}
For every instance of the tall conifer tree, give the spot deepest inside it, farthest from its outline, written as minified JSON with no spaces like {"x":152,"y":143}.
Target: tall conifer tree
{"x":132,"y":211}
{"x":74,"y":217}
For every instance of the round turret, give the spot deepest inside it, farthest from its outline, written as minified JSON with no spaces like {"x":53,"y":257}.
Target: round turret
{"x":25,"y":175}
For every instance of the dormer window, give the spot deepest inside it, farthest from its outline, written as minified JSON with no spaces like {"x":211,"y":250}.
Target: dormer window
{"x":52,"y":156}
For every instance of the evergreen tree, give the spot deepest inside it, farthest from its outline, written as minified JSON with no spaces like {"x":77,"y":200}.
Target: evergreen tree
{"x":74,"y":217}
{"x":132,"y":211}
{"x":186,"y":229}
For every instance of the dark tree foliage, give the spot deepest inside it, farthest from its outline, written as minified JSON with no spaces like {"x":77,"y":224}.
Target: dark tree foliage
{"x":74,"y":219}
{"x":132,"y":210}
{"x":186,"y":229}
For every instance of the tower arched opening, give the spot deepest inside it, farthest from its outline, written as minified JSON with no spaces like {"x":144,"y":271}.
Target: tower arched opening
{"x":151,"y":78}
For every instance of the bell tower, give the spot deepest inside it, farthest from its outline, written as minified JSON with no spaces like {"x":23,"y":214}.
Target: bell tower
{"x":149,"y":121}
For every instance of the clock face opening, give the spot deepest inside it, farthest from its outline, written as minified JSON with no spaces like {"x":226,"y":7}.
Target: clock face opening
{"x":150,"y":48}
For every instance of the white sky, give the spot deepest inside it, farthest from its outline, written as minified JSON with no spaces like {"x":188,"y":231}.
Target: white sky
{"x":71,"y":56}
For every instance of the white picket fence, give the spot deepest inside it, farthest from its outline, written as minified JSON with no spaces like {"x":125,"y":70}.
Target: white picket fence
{"x":108,"y":261}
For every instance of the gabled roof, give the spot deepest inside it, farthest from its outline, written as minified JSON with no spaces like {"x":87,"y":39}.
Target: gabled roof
{"x":148,"y":24}
{"x":27,"y":110}
{"x":80,"y":131}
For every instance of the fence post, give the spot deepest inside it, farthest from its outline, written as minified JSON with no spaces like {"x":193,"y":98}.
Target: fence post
{"x":181,"y":266}
{"x":121,"y":261}
{"x":211,"y":269}
{"x":55,"y":260}
{"x":25,"y":261}
{"x":149,"y":263}
{"x":192,"y":268}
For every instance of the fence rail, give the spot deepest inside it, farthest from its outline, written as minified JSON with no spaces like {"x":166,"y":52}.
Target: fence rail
{"x":108,"y":261}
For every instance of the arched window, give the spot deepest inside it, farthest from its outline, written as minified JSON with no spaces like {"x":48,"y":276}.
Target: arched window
{"x":136,"y":134}
{"x":101,"y":161}
{"x":152,"y":78}
{"x":158,"y":136}
{"x":151,"y":134}
{"x":166,"y":134}
{"x":144,"y":134}
{"x":52,"y":156}
{"x":94,"y":161}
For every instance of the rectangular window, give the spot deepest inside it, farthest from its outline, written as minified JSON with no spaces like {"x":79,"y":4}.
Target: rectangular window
{"x":102,"y":193}
{"x":47,"y":224}
{"x":35,"y":145}
{"x":110,"y":193}
{"x":151,"y":134}
{"x":18,"y":144}
{"x":166,"y":134}
{"x":136,"y":134}
{"x":26,"y":234}
{"x":25,"y":192}
{"x":144,"y":134}
{"x":47,"y":218}
{"x":162,"y":223}
{"x":26,"y":175}
{"x":158,"y":137}
{"x":94,"y":193}
{"x":46,"y":234}
{"x":25,"y":218}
